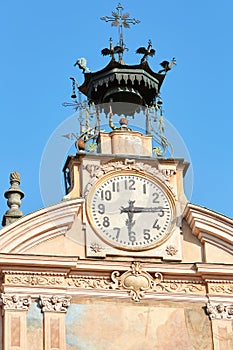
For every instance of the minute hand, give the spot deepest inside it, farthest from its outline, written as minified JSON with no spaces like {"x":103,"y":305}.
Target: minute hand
{"x":146,"y":210}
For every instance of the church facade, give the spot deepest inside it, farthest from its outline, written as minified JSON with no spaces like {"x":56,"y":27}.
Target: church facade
{"x":124,"y":261}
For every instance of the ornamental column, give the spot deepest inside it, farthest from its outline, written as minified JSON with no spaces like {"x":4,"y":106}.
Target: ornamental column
{"x":221,"y":316}
{"x":54,"y":309}
{"x":15,"y":309}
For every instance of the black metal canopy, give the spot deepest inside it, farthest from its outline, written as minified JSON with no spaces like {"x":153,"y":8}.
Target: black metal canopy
{"x":123,"y":83}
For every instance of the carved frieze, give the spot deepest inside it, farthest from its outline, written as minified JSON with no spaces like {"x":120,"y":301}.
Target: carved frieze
{"x":136,"y":281}
{"x":97,"y":282}
{"x":220,"y":288}
{"x":219,"y":311}
{"x":54,"y":303}
{"x":98,"y":171}
{"x":15,"y":302}
{"x":188,"y":287}
{"x":35,"y":279}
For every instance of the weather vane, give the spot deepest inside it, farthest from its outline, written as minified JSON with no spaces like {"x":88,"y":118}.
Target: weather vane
{"x":120,"y":20}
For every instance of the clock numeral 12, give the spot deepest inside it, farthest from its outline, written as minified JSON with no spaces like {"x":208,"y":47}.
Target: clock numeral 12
{"x":129,"y":184}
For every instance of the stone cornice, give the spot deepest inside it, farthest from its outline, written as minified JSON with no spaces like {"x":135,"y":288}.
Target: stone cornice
{"x":14,"y":263}
{"x":112,"y":278}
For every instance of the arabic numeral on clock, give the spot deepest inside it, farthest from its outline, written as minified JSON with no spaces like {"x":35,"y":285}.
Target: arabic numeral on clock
{"x":144,"y":188}
{"x":161,"y":213}
{"x":101,"y":208}
{"x":129,"y":184}
{"x":106,"y":222}
{"x":117,"y":230}
{"x":132,"y":237}
{"x":156,"y":225}
{"x":106,"y":195}
{"x":156,"y":196}
{"x":146,"y":234}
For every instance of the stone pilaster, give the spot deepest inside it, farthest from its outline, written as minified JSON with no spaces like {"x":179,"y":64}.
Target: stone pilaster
{"x":221,"y":316}
{"x":54,"y":309}
{"x":15,"y":309}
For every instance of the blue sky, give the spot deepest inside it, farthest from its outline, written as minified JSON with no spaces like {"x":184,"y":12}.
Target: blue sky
{"x":40,"y":42}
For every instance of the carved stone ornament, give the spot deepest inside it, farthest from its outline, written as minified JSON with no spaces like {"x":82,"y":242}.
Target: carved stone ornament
{"x":136,"y":281}
{"x":92,"y":169}
{"x":220,"y":311}
{"x":97,"y":172}
{"x":171,"y":250}
{"x":95,"y":247}
{"x":181,"y":287}
{"x":115,"y":281}
{"x":54,"y":303}
{"x":90,"y":282}
{"x":35,"y":279}
{"x":168,"y":173}
{"x":221,"y":288}
{"x":15,"y":302}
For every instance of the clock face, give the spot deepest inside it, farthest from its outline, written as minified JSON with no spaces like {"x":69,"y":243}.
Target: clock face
{"x":130,"y":211}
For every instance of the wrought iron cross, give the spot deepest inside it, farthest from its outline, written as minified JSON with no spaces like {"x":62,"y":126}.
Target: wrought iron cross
{"x":120,"y":20}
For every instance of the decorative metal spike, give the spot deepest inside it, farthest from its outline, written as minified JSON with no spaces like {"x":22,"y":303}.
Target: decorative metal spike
{"x":120,"y":20}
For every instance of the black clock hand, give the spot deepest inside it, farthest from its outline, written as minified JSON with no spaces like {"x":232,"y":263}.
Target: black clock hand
{"x":147,"y":210}
{"x":129,"y":210}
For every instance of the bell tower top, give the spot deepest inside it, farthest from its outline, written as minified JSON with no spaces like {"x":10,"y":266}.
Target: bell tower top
{"x":124,"y":168}
{"x":118,"y":81}
{"x":118,"y":92}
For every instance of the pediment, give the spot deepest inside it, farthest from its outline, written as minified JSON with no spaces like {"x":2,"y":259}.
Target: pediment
{"x":39,"y":227}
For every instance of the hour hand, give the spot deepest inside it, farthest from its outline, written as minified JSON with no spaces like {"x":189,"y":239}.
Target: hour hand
{"x":130,"y":212}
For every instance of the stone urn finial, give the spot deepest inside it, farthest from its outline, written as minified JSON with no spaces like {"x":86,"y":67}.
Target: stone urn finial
{"x":14,"y":195}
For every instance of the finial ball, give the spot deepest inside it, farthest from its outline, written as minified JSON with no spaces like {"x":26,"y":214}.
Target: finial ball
{"x":123,"y":121}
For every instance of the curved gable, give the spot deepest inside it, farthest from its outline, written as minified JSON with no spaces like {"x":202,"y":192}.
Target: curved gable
{"x":39,"y":226}
{"x":214,"y":231}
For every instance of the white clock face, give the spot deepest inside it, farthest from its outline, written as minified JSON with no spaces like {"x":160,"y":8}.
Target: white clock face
{"x":130,"y":211}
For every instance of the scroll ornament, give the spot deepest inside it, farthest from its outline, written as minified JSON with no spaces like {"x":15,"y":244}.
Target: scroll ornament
{"x":135,"y":281}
